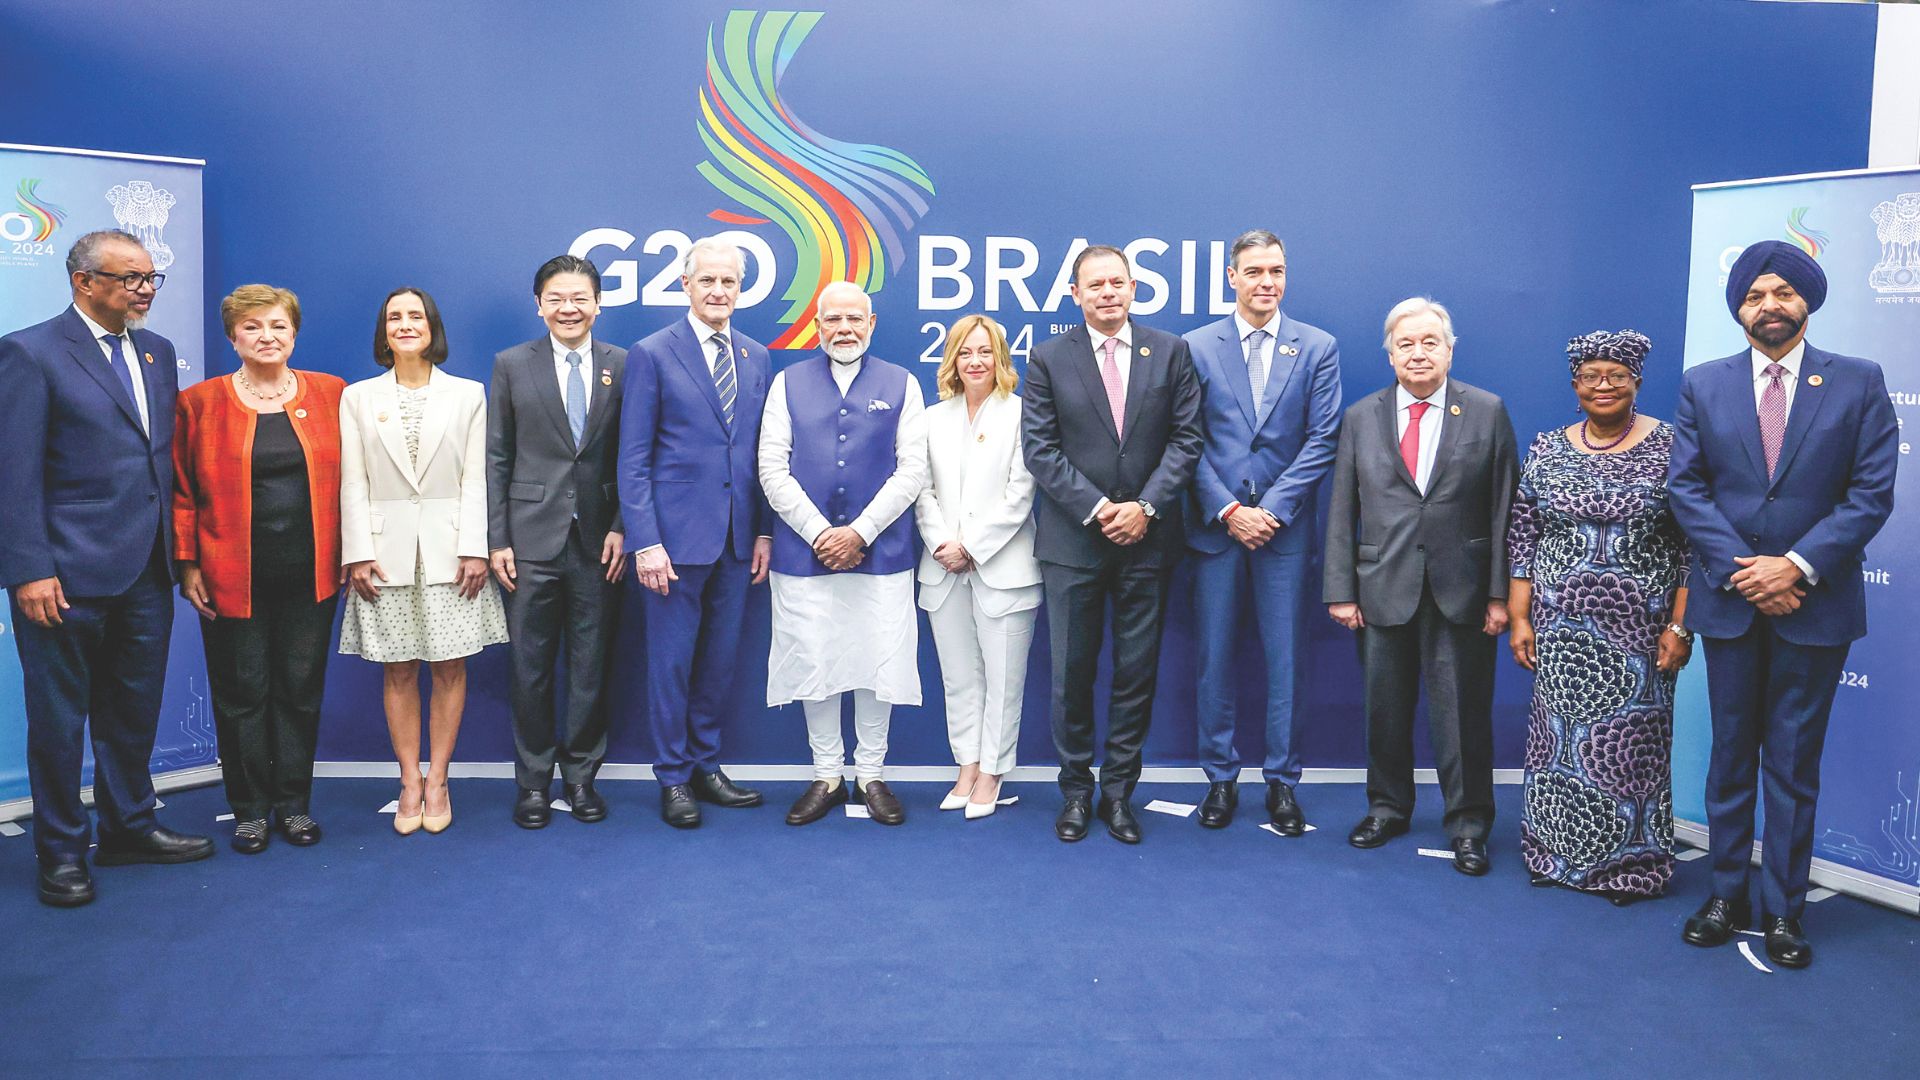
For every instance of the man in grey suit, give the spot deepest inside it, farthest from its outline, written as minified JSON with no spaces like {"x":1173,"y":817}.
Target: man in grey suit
{"x":1417,"y":564}
{"x":1111,"y":433}
{"x":554,"y":533}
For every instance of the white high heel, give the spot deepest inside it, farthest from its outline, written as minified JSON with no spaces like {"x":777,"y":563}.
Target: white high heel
{"x":954,"y":800}
{"x":979,"y":810}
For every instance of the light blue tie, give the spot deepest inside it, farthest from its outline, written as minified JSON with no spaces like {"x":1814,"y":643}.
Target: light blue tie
{"x":1257,"y":367}
{"x":724,"y":382}
{"x":117,"y":360}
{"x":576,"y":397}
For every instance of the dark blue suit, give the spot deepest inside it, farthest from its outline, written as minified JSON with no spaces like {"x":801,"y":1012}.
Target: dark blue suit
{"x":1271,"y":459}
{"x":689,"y":480}
{"x":87,"y":498}
{"x":1771,"y":680}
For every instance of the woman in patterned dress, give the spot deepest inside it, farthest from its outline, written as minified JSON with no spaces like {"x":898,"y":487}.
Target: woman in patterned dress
{"x":1597,"y":602}
{"x":413,"y":525}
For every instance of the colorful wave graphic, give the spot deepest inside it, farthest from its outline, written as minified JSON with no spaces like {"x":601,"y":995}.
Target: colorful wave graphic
{"x":1811,"y":241}
{"x":46,"y":216}
{"x":847,"y":207}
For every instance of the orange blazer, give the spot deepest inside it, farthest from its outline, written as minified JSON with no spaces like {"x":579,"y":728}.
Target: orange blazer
{"x":213,"y":484}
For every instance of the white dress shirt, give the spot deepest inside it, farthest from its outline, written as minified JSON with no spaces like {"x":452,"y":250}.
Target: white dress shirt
{"x":703,"y":334}
{"x":561,"y":368}
{"x":1791,"y":382}
{"x":128,"y":358}
{"x":1429,"y":427}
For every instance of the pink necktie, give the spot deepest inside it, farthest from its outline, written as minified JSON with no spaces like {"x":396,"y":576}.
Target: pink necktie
{"x":1110,"y":374}
{"x":1773,"y":414}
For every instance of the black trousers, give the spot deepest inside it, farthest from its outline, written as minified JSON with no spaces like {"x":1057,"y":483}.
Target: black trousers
{"x":1456,"y":663}
{"x":1077,"y":599}
{"x":560,"y":600}
{"x":267,"y":673}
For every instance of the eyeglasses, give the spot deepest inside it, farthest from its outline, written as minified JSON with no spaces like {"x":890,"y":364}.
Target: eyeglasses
{"x":133,"y":281}
{"x":1592,"y":379}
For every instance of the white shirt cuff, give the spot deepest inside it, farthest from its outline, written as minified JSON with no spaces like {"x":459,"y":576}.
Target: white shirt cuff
{"x":814,"y":527}
{"x":866,"y":530}
{"x":1221,"y":514}
{"x":1097,"y":507}
{"x":1806,"y":568}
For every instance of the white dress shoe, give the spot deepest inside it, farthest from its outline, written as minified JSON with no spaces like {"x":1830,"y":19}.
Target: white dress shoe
{"x":954,"y":800}
{"x":980,"y":810}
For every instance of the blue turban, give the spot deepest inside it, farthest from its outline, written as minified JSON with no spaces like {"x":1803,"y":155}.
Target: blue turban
{"x":1628,"y":348}
{"x":1794,"y":266}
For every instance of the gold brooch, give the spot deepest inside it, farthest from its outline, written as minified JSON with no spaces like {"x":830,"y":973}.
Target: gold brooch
{"x":1812,"y":380}
{"x":381,"y":418}
{"x":1455,"y":410}
{"x":982,"y":437}
{"x":299,"y":414}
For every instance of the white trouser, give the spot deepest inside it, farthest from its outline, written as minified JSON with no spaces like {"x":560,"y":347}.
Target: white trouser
{"x":983,"y":663}
{"x":870,"y":721}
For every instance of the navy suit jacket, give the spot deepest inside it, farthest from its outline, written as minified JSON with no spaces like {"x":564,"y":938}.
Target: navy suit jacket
{"x":84,"y":491}
{"x":1284,"y":450}
{"x":686,"y":478}
{"x":1832,"y":489}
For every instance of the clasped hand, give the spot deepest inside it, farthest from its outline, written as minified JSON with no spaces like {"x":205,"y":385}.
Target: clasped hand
{"x":953,"y":557}
{"x":1123,"y":523}
{"x":1252,"y":527}
{"x":839,"y":548}
{"x":1771,"y":583}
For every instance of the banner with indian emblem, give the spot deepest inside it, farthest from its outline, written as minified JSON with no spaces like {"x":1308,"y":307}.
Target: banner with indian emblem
{"x":49,"y":197}
{"x":1864,"y":229}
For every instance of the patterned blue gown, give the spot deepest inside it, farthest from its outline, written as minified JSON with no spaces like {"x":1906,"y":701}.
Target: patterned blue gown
{"x":1594,"y":533}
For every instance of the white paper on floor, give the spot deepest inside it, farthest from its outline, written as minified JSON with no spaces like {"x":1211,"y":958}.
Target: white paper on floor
{"x":855,"y":810}
{"x":159,"y":804}
{"x":391,"y":808}
{"x":1268,"y":825}
{"x":223,"y":817}
{"x":1177,"y":809}
{"x":1820,"y":894}
{"x":8,"y":828}
{"x":1008,"y":801}
{"x":1746,"y":950}
{"x":1436,"y":853}
{"x":562,"y":805}
{"x":1691,"y":854}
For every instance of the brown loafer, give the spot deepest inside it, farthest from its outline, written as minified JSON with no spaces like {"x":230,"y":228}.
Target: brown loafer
{"x":814,"y":803}
{"x":881,"y":804}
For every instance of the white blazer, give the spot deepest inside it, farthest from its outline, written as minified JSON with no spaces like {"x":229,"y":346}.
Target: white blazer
{"x":982,"y":496}
{"x":389,"y":511}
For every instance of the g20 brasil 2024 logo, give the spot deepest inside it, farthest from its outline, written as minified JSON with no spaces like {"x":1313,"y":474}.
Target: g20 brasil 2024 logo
{"x":36,"y":218}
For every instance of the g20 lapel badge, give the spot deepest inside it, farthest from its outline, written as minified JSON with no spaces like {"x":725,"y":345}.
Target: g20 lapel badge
{"x":149,"y":357}
{"x":1455,"y":410}
{"x":1812,"y":380}
{"x":606,"y":377}
{"x":382,"y":418}
{"x":743,"y":352}
{"x":299,"y":414}
{"x":1144,"y":351}
{"x":1288,"y":350}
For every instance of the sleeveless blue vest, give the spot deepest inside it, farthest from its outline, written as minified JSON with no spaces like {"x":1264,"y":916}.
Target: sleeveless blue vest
{"x":842,"y":454}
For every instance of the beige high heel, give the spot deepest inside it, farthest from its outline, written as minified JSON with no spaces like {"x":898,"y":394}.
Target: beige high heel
{"x":407,"y":825}
{"x":436,"y":823}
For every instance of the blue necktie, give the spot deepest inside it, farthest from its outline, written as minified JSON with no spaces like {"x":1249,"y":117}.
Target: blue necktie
{"x":724,"y":383}
{"x":117,"y":360}
{"x":576,"y":397}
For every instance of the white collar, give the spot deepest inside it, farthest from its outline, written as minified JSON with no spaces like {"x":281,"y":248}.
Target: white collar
{"x":96,"y":329}
{"x":1403,"y":398}
{"x":1272,"y":328}
{"x":1791,"y":361}
{"x":703,"y":333}
{"x":560,"y":351}
{"x":1125,"y":336}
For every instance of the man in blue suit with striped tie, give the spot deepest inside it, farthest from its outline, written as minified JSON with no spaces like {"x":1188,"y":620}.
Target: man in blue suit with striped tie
{"x":1270,"y":407}
{"x":1782,"y":470}
{"x":86,"y":477}
{"x":696,"y":521}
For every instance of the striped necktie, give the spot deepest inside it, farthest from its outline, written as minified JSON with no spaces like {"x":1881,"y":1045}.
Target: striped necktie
{"x":724,"y":382}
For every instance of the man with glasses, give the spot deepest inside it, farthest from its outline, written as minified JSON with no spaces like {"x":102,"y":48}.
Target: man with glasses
{"x":554,"y":534}
{"x":1417,"y":564}
{"x":86,"y":477}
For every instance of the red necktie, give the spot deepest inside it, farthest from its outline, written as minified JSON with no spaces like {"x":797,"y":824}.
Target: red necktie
{"x":1410,"y":439}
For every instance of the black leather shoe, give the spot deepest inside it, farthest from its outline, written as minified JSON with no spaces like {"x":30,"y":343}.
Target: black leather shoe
{"x":882,"y":805}
{"x":158,"y":846}
{"x":1716,"y":922}
{"x":677,"y":807}
{"x":1121,"y":824}
{"x":250,"y":837}
{"x":714,"y":787}
{"x":1216,"y":812}
{"x":1787,"y":946}
{"x":66,"y":884}
{"x":586,"y":803}
{"x":300,"y":830}
{"x":1470,"y":855}
{"x":532,"y":810}
{"x":815,"y":802}
{"x":1283,"y":811}
{"x":1074,"y":817}
{"x":1373,"y":831}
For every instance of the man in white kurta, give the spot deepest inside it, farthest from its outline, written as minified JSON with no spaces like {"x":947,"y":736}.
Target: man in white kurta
{"x":842,"y":458}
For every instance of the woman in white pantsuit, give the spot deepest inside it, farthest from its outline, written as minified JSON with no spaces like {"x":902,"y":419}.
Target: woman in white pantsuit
{"x":979,"y":583}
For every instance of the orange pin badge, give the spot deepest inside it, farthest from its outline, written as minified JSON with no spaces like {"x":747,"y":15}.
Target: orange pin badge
{"x":1144,"y":351}
{"x":982,"y":437}
{"x":149,"y":357}
{"x":606,"y":377}
{"x":1814,"y":380}
{"x":382,"y":418}
{"x":1455,"y":410}
{"x":743,"y":352}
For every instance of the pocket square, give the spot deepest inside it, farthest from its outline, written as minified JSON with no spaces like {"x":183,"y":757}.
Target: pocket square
{"x":876,"y":405}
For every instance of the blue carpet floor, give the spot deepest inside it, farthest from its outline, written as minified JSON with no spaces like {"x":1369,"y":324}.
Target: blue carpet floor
{"x":943,"y":947}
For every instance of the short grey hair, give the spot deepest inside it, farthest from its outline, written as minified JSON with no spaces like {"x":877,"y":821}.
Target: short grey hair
{"x":85,"y":252}
{"x":1251,"y":239}
{"x":712,"y":245}
{"x":1417,"y":305}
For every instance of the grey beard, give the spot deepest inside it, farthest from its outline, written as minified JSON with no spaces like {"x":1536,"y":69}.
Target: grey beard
{"x":845,"y":354}
{"x":134,"y":323}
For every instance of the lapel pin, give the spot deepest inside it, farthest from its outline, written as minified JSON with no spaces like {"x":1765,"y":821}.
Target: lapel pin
{"x":1455,"y":410}
{"x":299,"y":414}
{"x":606,"y":378}
{"x":982,"y":437}
{"x":1812,"y":380}
{"x":1144,"y":351}
{"x":149,"y":357}
{"x":1288,"y":350}
{"x":382,"y":418}
{"x":743,"y":352}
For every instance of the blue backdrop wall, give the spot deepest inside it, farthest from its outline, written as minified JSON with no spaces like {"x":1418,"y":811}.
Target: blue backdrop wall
{"x":1526,"y":162}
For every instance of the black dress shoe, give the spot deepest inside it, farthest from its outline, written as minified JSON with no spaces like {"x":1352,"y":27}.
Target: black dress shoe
{"x":1373,"y":831}
{"x":882,"y":805}
{"x":1470,"y":855}
{"x":1785,"y":943}
{"x":1121,"y":824}
{"x":66,"y":884}
{"x":1283,"y":811}
{"x":250,"y":836}
{"x":814,"y":803}
{"x":300,"y":830}
{"x":532,"y":810}
{"x":158,"y":846}
{"x":586,"y":803}
{"x":714,"y":787}
{"x":677,"y":807}
{"x":1216,"y":812}
{"x":1074,"y":818}
{"x":1716,"y":922}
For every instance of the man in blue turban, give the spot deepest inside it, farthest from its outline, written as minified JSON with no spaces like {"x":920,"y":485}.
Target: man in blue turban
{"x":1782,"y":470}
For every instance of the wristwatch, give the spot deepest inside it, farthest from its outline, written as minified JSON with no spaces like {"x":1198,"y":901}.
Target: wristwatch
{"x":1146,"y":508}
{"x":1681,"y":632}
